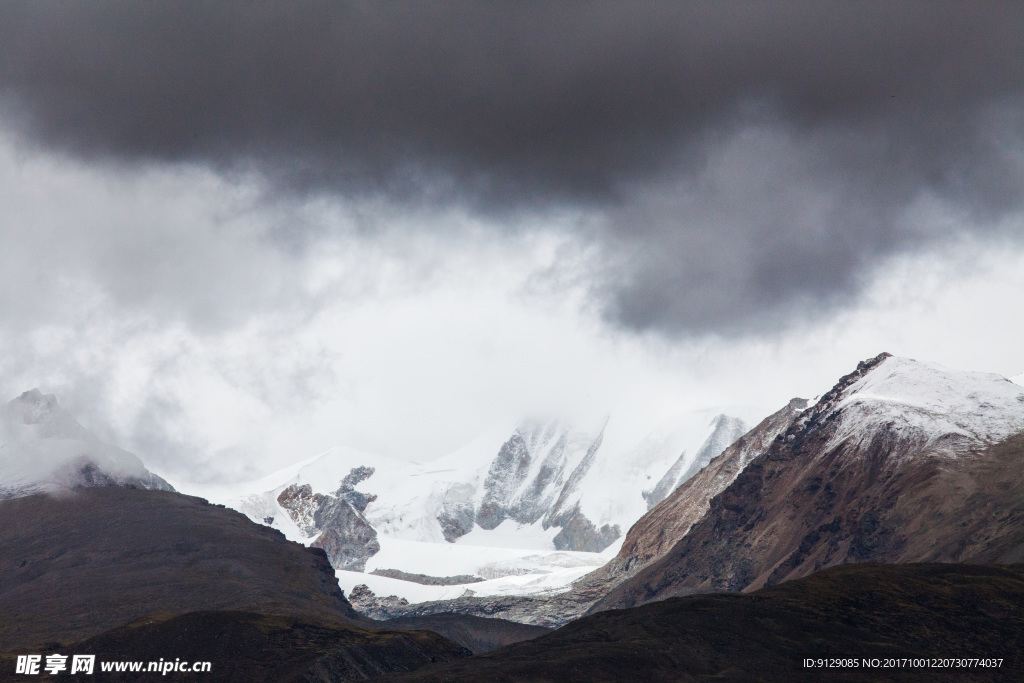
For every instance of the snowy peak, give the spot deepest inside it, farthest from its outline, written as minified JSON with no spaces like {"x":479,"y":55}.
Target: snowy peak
{"x":44,"y":416}
{"x":535,"y":472}
{"x":931,"y":388}
{"x":544,"y":484}
{"x":923,"y":399}
{"x":34,"y":407}
{"x":902,"y":461}
{"x":43,"y":448}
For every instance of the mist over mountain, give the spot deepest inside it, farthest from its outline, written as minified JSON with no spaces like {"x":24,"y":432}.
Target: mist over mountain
{"x":902,"y":462}
{"x":517,"y":514}
{"x":461,"y":340}
{"x":43,"y":449}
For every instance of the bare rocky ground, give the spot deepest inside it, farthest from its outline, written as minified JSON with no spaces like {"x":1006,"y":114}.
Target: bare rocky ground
{"x":477,"y":634}
{"x":257,"y":648}
{"x":94,"y":559}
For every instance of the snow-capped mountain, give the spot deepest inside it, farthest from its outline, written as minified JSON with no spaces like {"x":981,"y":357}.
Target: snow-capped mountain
{"x":44,"y":449}
{"x":902,"y":461}
{"x":544,"y":487}
{"x":941,"y":410}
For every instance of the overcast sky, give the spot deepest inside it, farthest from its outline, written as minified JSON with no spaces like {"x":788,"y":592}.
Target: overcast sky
{"x":237,"y":233}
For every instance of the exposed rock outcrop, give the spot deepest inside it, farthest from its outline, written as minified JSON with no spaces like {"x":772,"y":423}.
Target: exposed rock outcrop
{"x":457,"y":512}
{"x":302,"y":505}
{"x":506,"y":475}
{"x":579,"y":533}
{"x":520,"y":489}
{"x":336,"y":520}
{"x":367,"y":602}
{"x":425,"y":580}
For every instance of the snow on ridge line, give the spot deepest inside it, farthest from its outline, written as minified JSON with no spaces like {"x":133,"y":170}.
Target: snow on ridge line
{"x":222,"y":493}
{"x":979,"y":405}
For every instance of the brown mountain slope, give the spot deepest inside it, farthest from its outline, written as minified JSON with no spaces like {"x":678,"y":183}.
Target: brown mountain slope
{"x":661,"y":528}
{"x":255,"y":648}
{"x":476,"y":634}
{"x":855,"y":611}
{"x":94,"y":559}
{"x":896,"y":488}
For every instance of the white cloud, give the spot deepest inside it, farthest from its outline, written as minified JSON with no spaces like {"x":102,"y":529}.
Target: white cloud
{"x":179,"y":316}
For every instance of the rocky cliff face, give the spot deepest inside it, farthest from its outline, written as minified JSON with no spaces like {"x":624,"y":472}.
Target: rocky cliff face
{"x":527,"y":481}
{"x":44,"y":449}
{"x":533,"y":478}
{"x":900,"y":462}
{"x":457,"y":513}
{"x":336,"y":520}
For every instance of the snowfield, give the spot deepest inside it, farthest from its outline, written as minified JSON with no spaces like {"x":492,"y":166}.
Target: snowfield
{"x":509,"y":571}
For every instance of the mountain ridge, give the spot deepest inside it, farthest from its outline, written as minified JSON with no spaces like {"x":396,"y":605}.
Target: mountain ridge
{"x":873,"y":471}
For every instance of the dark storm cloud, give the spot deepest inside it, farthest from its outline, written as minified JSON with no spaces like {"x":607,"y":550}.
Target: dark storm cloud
{"x":743,"y":158}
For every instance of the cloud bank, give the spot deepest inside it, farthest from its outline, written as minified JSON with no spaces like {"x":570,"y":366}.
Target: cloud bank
{"x":735,"y":165}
